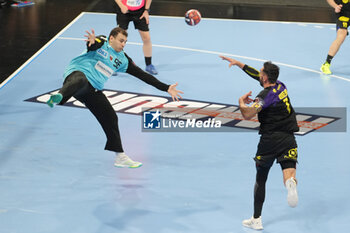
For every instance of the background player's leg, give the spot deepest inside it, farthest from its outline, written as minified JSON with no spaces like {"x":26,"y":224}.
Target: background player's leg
{"x":147,"y":51}
{"x":147,"y":44}
{"x":333,"y":50}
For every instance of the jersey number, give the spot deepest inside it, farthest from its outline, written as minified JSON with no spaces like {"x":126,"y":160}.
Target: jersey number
{"x":117,"y":63}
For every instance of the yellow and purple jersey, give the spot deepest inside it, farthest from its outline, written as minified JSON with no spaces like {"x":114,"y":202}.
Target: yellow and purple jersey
{"x":275,"y":112}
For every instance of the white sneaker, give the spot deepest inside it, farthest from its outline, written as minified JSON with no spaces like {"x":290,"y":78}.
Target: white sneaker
{"x":125,"y":161}
{"x":254,"y":223}
{"x":292,"y":196}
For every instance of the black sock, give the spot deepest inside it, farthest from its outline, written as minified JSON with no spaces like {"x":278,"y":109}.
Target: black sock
{"x":148,"y":61}
{"x":329,"y":59}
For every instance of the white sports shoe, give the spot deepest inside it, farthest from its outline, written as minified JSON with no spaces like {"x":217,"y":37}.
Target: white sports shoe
{"x":292,"y":196}
{"x":254,"y":223}
{"x":125,"y":161}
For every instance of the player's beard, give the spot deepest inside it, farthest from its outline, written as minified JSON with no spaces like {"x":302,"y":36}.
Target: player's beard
{"x":261,"y":82}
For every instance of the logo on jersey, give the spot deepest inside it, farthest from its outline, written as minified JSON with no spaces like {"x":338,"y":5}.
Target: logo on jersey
{"x":103,"y":53}
{"x":134,"y":3}
{"x":206,"y":113}
{"x":258,"y":104}
{"x":103,"y":69}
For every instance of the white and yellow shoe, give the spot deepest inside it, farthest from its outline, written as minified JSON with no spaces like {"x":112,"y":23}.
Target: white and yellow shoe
{"x":253,"y":223}
{"x":122,"y":160}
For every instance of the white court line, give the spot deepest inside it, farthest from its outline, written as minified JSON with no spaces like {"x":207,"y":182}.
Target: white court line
{"x":164,"y":46}
{"x":226,"y":54}
{"x":39,"y":51}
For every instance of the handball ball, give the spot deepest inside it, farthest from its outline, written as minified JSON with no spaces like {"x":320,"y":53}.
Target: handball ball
{"x":192,"y":17}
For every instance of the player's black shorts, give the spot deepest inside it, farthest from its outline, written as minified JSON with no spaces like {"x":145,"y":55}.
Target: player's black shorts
{"x":123,"y":20}
{"x":280,"y":146}
{"x":343,"y":22}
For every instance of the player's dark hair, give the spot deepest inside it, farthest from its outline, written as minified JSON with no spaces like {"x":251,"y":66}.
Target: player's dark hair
{"x":272,"y":71}
{"x":116,"y":31}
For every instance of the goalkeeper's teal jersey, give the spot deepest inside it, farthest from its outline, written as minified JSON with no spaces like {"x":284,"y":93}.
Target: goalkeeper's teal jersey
{"x":99,"y":65}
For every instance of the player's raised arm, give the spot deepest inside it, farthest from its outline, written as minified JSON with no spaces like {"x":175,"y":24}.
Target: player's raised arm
{"x":247,"y":69}
{"x":94,"y":42}
{"x":233,"y":62}
{"x":252,"y":72}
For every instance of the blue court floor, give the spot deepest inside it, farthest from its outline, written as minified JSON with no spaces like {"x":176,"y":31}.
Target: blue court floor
{"x":55,"y":176}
